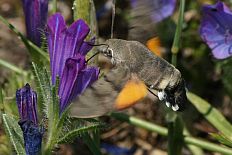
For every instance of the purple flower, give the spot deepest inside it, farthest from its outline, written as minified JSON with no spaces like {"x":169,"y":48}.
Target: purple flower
{"x":67,"y":50}
{"x":156,"y":9}
{"x":216,"y":29}
{"x":32,"y":135}
{"x":26,"y":100}
{"x":35,"y":12}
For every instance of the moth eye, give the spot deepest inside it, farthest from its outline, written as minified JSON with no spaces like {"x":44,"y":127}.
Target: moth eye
{"x":109,"y":52}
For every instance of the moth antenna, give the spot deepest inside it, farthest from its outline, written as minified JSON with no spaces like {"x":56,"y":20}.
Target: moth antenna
{"x":98,"y":44}
{"x":113,"y":17}
{"x":107,"y":46}
{"x":92,"y":56}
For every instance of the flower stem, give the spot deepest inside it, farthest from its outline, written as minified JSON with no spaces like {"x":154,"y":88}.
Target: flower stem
{"x":175,"y":124}
{"x":176,"y":42}
{"x":164,"y":132}
{"x":54,"y":6}
{"x":175,"y":133}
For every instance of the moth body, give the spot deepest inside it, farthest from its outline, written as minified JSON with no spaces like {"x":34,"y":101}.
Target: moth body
{"x":135,"y":72}
{"x":153,"y":70}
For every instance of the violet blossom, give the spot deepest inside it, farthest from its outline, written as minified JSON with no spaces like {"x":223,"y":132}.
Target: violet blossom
{"x":26,"y":100}
{"x":35,"y":12}
{"x":67,"y":50}
{"x":216,"y":29}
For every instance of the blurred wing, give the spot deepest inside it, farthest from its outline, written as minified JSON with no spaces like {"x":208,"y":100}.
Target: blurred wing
{"x":117,"y":90}
{"x":216,"y":29}
{"x":145,"y":14}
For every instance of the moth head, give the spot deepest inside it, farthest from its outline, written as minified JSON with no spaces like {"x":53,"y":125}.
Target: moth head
{"x":114,"y":50}
{"x":107,"y":52}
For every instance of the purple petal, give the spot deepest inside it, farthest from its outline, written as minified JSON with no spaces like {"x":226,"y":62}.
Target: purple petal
{"x":67,"y":82}
{"x":26,"y":100}
{"x":64,"y":42}
{"x":157,"y":9}
{"x":85,"y":78}
{"x":35,"y":12}
{"x":216,"y":29}
{"x":86,"y":47}
{"x":32,"y":135}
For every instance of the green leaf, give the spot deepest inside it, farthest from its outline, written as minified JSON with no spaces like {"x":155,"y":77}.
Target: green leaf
{"x":222,"y":139}
{"x":164,"y":132}
{"x":12,"y":67}
{"x":44,"y":85}
{"x":91,"y":144}
{"x":96,"y":138}
{"x":14,"y":132}
{"x":78,"y":132}
{"x":211,"y":114}
{"x":37,"y":54}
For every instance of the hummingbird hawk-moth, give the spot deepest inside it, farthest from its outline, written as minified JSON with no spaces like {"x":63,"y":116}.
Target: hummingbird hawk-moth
{"x":136,"y":71}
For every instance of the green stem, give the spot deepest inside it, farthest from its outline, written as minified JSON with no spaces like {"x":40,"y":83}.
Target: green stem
{"x":53,"y":116}
{"x":54,"y":6}
{"x":194,"y":149}
{"x":140,"y":123}
{"x":163,"y":131}
{"x":175,"y":133}
{"x":175,"y":124}
{"x":174,"y":59}
{"x":207,"y":145}
{"x":176,"y":42}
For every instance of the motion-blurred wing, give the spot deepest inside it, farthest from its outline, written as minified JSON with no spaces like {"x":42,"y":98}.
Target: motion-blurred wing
{"x":117,"y":90}
{"x":145,"y":14}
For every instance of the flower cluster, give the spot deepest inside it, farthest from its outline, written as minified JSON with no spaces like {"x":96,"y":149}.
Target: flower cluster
{"x":67,"y":50}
